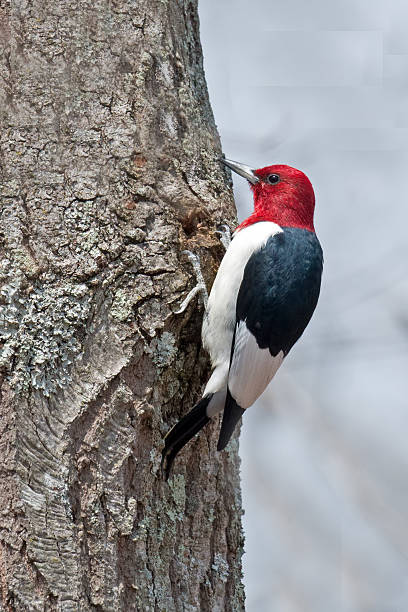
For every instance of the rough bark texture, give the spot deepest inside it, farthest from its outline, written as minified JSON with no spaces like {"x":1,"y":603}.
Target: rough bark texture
{"x":108,"y":171}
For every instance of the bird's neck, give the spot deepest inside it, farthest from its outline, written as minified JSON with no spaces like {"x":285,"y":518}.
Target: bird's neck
{"x":286,"y":213}
{"x":286,"y":218}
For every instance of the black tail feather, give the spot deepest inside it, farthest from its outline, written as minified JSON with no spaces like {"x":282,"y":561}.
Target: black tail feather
{"x":231,"y":416}
{"x":183,"y":431}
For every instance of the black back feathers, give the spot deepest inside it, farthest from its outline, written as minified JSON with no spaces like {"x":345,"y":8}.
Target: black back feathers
{"x":280,"y":288}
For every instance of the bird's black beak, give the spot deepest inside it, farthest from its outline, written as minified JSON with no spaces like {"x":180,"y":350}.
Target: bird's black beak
{"x":242,"y":169}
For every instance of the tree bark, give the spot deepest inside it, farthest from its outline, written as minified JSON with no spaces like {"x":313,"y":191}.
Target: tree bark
{"x":108,"y":172}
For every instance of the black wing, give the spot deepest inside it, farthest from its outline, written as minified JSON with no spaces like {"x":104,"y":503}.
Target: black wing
{"x":280,"y":289}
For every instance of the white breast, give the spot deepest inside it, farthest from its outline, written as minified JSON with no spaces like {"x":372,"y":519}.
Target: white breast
{"x":219,"y":321}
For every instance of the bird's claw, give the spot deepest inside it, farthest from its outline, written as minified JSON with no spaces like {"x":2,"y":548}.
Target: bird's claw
{"x":200,"y":286}
{"x":225,"y":238}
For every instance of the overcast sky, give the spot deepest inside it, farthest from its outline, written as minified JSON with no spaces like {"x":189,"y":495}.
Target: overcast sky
{"x":323,"y":87}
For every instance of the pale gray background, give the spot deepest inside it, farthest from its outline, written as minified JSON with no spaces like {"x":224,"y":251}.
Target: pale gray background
{"x":323,"y":86}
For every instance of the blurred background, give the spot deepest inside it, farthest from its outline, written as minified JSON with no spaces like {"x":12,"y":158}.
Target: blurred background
{"x":324,"y":87}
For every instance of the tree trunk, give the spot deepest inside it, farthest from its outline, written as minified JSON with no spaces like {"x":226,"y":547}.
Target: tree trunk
{"x":108,"y":172}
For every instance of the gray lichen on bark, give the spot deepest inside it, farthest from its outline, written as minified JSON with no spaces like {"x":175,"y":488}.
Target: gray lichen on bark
{"x":108,"y":172}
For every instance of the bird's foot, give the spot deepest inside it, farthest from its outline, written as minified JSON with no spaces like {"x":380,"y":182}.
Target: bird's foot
{"x":225,"y":238}
{"x":225,"y":235}
{"x":200,"y":286}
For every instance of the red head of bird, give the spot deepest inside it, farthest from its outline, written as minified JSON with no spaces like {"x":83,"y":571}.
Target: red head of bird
{"x":282,"y":194}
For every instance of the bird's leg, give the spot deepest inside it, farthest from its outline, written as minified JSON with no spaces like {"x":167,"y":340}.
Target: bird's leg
{"x":225,"y":237}
{"x":200,"y":286}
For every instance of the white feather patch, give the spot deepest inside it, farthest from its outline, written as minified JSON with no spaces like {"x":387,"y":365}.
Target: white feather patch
{"x":217,"y":402}
{"x":251,"y":369}
{"x":218,"y":379}
{"x":217,"y":385}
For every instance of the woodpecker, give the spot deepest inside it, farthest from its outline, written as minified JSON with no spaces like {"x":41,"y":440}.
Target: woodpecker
{"x":264,"y":294}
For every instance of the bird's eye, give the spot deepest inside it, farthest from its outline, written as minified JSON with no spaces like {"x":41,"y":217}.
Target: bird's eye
{"x":273,"y":179}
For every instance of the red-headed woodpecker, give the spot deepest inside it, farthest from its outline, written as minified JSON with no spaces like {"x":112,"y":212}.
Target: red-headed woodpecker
{"x":262,"y":299}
